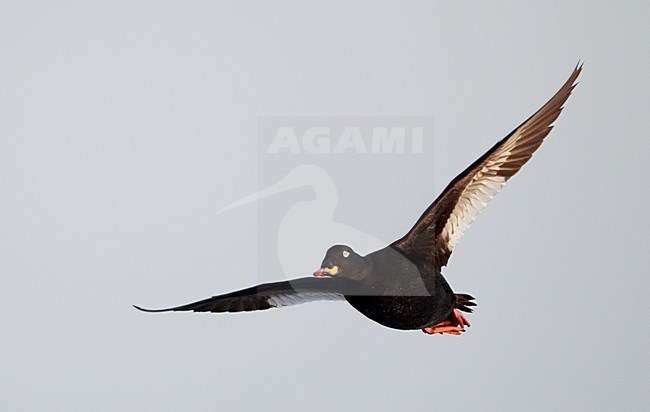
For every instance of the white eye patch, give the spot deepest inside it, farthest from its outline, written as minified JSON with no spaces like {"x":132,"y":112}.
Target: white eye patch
{"x":346,"y":253}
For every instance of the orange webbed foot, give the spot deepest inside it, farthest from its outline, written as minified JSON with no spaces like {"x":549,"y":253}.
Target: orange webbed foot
{"x":455,"y":325}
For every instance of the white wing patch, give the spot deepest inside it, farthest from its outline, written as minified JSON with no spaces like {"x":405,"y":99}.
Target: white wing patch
{"x":279,"y":301}
{"x":475,"y":197}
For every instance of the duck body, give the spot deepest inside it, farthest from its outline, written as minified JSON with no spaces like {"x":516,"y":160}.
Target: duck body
{"x":400,"y":294}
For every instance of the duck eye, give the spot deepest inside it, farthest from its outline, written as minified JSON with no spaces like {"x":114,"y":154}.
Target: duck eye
{"x":346,"y":253}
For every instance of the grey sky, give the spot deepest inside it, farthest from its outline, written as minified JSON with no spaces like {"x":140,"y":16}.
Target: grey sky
{"x":125,"y":125}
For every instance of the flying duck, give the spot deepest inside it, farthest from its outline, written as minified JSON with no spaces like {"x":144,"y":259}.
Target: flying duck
{"x":401,"y":286}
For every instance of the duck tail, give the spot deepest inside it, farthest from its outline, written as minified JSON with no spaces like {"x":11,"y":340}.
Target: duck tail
{"x":464,"y":301}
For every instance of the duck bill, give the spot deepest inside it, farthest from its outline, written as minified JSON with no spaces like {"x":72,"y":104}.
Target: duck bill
{"x":327,"y":271}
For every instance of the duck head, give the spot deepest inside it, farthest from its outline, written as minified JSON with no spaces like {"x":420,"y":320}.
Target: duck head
{"x":342,"y":261}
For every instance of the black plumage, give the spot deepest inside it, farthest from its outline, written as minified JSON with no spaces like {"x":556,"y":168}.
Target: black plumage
{"x":402,"y":286}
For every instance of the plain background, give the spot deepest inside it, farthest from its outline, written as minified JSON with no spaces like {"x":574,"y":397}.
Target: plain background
{"x":125,"y":125}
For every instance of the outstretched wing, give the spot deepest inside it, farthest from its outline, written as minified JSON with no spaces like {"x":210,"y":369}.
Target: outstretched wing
{"x":442,"y":225}
{"x":266,"y":296}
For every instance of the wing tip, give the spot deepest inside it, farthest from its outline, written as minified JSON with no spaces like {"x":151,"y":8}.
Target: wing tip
{"x":576,"y":73}
{"x":150,"y":310}
{"x":579,"y":65}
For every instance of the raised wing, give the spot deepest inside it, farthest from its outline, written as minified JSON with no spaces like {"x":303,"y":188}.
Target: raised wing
{"x":266,"y":296}
{"x":443,"y":224}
